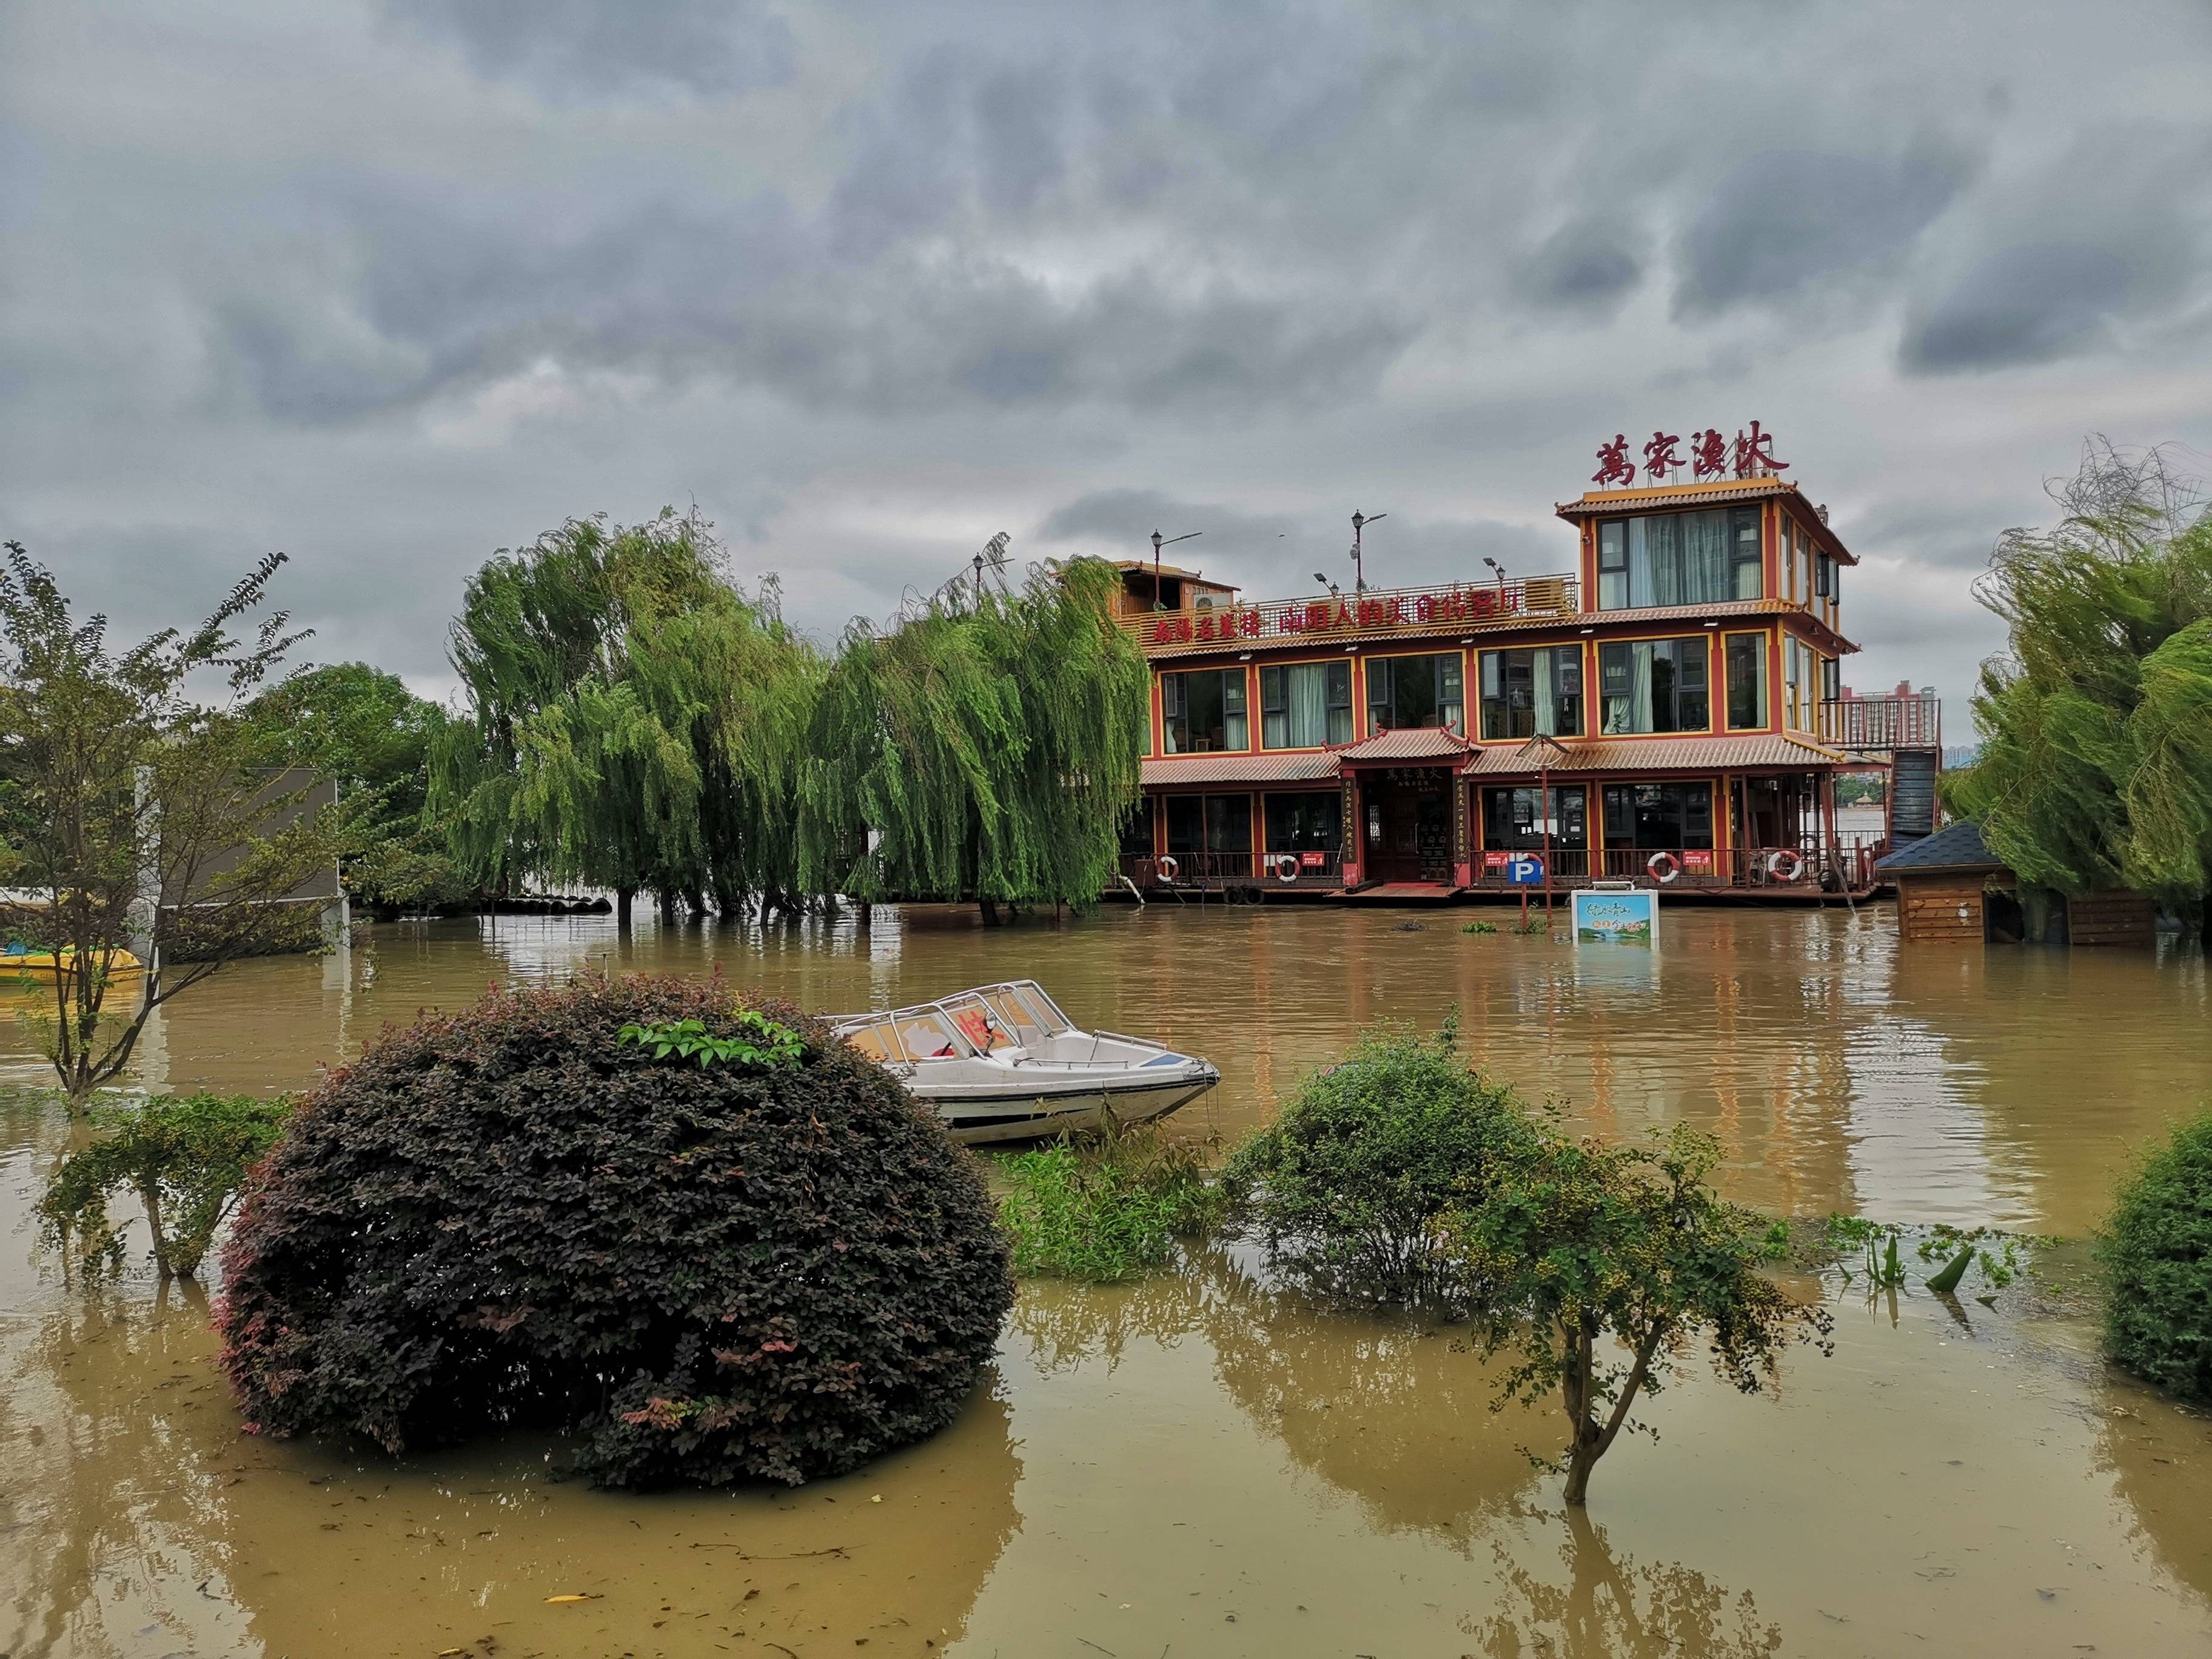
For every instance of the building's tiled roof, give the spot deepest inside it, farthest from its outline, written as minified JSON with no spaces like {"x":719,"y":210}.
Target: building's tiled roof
{"x":1956,"y":846}
{"x":1606,"y":504}
{"x":1411,"y":743}
{"x":1241,"y":768}
{"x":1752,"y":749}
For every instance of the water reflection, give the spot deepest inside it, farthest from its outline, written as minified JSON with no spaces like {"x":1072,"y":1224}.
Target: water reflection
{"x":2162,"y":1466}
{"x":1608,"y":1608}
{"x":1393,"y":1412}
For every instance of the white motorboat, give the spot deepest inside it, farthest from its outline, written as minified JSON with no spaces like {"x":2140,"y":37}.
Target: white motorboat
{"x":1002,"y":1063}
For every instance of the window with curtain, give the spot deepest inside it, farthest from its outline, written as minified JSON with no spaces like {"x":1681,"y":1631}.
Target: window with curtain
{"x":1209,"y":824}
{"x":1658,"y":818}
{"x":1202,"y":712}
{"x":1405,"y":692}
{"x":1528,"y":692}
{"x":1654,"y":685}
{"x":1305,"y":705}
{"x":1307,"y":821}
{"x":1512,"y":821}
{"x":1794,"y":676}
{"x":1747,"y":680}
{"x":1679,"y":558}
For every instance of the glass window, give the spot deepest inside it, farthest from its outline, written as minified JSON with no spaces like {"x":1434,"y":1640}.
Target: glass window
{"x":1658,"y":818}
{"x":1209,"y":824}
{"x":1802,"y":589}
{"x":1678,"y":558}
{"x":1831,"y":679}
{"x":1305,"y":705}
{"x":1510,"y":823}
{"x":1526,"y":692}
{"x":1747,"y":680}
{"x":1310,"y":821}
{"x":1824,"y":576}
{"x":1202,"y":712}
{"x":1792,"y":684}
{"x":1749,"y":575}
{"x":1654,"y":685}
{"x":1405,"y":692}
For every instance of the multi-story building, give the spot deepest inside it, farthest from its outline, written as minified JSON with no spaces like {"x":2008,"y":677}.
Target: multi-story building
{"x":1666,"y":710}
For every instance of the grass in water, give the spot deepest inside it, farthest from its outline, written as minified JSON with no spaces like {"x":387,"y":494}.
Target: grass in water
{"x":1106,"y":1209}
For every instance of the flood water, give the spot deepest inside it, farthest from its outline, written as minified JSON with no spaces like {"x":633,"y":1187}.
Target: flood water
{"x":1197,"y":1465}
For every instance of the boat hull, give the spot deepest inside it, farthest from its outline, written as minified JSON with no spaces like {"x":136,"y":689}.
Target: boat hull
{"x":981,"y":1119}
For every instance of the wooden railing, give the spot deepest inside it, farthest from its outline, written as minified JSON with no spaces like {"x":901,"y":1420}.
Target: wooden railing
{"x":1913,"y":723}
{"x":1379,"y":613}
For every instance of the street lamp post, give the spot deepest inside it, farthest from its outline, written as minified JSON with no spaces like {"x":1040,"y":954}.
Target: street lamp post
{"x":1360,"y":522}
{"x":1157,"y":544}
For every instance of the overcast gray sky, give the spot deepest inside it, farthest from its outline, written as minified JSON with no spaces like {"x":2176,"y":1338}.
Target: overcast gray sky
{"x":389,"y":285}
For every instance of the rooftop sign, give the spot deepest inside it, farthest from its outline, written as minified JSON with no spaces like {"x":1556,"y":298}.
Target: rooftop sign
{"x":1412,"y":610}
{"x":1709,"y":457}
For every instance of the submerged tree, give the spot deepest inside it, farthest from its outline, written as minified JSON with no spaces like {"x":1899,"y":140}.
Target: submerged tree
{"x":2096,"y":764}
{"x":986,"y":748}
{"x":632,"y":719}
{"x":1604,"y":1263}
{"x":133,"y":814}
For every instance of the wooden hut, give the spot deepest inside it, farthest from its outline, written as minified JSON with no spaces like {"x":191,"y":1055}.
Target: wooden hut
{"x":1951,"y":888}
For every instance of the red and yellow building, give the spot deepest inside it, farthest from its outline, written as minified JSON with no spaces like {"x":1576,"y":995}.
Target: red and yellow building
{"x":1677,"y":692}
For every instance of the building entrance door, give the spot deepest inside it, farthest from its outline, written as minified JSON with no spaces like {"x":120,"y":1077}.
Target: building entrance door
{"x":1408,"y":825}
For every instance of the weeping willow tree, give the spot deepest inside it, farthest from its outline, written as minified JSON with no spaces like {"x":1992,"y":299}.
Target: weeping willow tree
{"x":633,"y":719}
{"x":2095,"y":769}
{"x":986,"y":748}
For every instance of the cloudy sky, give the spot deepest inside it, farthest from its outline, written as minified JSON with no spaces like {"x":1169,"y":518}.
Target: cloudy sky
{"x":388,"y":285}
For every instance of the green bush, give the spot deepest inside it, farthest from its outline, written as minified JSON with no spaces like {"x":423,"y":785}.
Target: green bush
{"x":508,"y":1217}
{"x":184,"y":1158}
{"x":1349,"y":1186}
{"x":2157,"y":1253}
{"x":1108,"y":1209}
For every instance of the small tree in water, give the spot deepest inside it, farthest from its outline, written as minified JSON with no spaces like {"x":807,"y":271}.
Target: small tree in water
{"x":129,"y":807}
{"x":185,"y":1159}
{"x":1605,"y":1262}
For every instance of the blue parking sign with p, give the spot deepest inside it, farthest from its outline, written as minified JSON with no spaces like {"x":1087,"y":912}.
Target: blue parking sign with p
{"x":1524,"y":871}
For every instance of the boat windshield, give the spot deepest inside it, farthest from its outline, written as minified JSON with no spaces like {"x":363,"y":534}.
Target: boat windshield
{"x":929,"y":1033}
{"x":985,"y":1025}
{"x":1026,"y":1012}
{"x":1043,"y":1008}
{"x":878,"y":1039}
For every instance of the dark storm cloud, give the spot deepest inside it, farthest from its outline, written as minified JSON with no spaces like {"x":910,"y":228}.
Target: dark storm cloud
{"x":1786,"y":218}
{"x":1590,"y":265}
{"x":462,"y":294}
{"x":581,"y":49}
{"x":2021,"y":305}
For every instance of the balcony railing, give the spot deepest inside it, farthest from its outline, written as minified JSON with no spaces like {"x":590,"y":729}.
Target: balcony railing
{"x":1847,"y":865}
{"x":1214,"y":870}
{"x":1883,"y":723}
{"x":1379,"y":613}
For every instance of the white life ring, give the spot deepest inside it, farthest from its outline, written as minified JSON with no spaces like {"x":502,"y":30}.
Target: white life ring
{"x":1286,"y":866}
{"x":1663,"y":877}
{"x":1169,"y":868}
{"x":1787,"y":865}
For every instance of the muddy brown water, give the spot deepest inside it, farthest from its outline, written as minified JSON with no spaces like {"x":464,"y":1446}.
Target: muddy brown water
{"x":1197,"y":1465}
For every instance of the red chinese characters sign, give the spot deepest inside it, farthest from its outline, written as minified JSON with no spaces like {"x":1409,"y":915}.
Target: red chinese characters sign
{"x":1711,"y":457}
{"x":1337,"y":615}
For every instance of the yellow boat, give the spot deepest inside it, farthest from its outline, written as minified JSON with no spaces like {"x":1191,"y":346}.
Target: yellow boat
{"x":41,"y":964}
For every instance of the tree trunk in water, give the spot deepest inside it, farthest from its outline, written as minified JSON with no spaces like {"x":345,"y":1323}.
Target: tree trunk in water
{"x":150,"y":1195}
{"x":667,"y":909}
{"x":990,"y":908}
{"x":622,"y":896}
{"x":1582,"y":1458}
{"x":867,"y":915}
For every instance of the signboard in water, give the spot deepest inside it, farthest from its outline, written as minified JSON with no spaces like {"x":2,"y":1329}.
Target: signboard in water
{"x":1626,"y":916}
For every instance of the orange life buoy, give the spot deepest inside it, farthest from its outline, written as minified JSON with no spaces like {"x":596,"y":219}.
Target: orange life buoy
{"x":1169,"y":868}
{"x":1663,"y":877}
{"x":1286,"y":866}
{"x":1787,"y":865}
